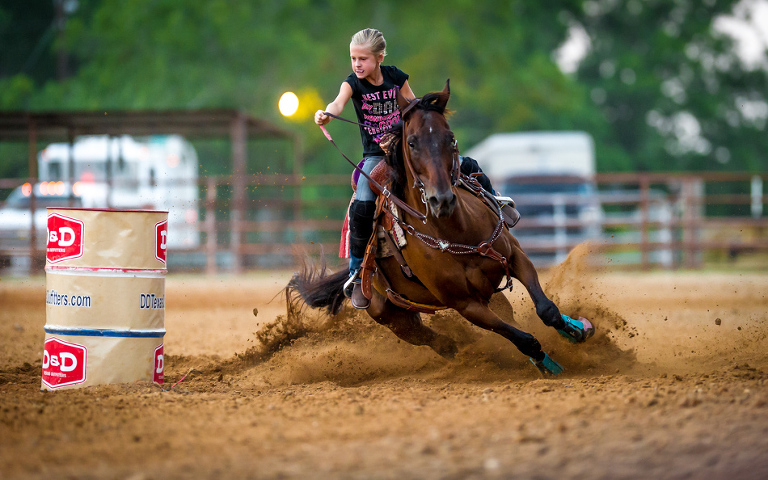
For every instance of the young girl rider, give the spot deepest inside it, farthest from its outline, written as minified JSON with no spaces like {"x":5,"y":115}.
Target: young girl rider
{"x":373,"y":90}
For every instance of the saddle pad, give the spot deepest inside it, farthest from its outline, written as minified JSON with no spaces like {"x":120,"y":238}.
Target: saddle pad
{"x":397,"y":229}
{"x":380,"y":174}
{"x":344,"y":244}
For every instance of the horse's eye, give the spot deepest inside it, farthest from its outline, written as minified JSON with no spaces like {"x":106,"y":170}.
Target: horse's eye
{"x":411,"y":144}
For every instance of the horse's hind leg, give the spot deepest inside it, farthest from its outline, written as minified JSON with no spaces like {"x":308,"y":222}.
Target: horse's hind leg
{"x":501,"y":306}
{"x":409,"y":327}
{"x":575,"y":331}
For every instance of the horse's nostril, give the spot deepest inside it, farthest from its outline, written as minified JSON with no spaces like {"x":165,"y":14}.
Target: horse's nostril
{"x":443,"y":205}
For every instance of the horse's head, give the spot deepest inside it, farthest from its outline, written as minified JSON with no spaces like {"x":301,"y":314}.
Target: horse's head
{"x":429,"y":150}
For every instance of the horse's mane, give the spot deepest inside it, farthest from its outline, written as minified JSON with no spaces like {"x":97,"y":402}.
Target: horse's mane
{"x":431,"y":102}
{"x":394,"y":158}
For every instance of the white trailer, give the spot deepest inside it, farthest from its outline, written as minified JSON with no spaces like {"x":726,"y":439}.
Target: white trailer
{"x":550,"y":175}
{"x":156,"y":172}
{"x":507,"y":155}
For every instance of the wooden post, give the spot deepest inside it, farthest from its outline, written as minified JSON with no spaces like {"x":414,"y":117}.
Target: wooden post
{"x":210,"y":226}
{"x":238,"y":137}
{"x":644,"y":222}
{"x":697,"y":186}
{"x":71,"y":165}
{"x":691,"y":192}
{"x":298,"y":167}
{"x":32,"y":159}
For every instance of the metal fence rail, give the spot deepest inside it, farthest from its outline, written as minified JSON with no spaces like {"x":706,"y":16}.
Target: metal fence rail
{"x":655,"y":220}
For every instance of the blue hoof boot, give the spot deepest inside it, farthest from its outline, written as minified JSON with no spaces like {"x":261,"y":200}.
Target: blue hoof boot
{"x":548,"y":366}
{"x":576,"y":331}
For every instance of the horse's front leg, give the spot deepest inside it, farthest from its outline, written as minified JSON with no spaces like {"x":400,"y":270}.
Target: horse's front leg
{"x":575,"y":330}
{"x":482,"y":316}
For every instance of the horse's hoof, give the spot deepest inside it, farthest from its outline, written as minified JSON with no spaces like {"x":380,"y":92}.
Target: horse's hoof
{"x":577,"y":331}
{"x":547,"y":366}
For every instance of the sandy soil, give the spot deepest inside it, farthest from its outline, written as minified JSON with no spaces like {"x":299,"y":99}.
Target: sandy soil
{"x":673,"y":386}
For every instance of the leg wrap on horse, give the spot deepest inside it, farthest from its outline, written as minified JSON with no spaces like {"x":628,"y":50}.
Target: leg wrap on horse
{"x":576,"y":331}
{"x":360,"y":226}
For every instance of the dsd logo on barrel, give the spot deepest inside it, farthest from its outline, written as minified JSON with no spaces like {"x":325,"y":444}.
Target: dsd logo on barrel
{"x":65,"y":238}
{"x":63,"y":363}
{"x":158,"y":371}
{"x":161,"y":240}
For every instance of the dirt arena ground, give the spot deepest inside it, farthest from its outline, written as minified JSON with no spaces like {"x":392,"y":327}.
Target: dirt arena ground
{"x":673,"y":386}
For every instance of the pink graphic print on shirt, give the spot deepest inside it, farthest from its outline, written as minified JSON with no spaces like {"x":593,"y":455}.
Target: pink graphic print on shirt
{"x":380,"y":112}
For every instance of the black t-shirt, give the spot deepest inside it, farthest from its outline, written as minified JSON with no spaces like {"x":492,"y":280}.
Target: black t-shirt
{"x":376,"y":106}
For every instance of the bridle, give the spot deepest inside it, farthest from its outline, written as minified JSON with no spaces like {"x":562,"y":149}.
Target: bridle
{"x":417,"y":183}
{"x":470,"y":182}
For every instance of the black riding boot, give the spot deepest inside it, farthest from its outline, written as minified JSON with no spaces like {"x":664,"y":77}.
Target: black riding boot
{"x":469,"y":166}
{"x":508,"y":211}
{"x":360,"y":229}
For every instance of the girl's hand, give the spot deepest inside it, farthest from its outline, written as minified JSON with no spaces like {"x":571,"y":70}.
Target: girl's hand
{"x":321,"y":118}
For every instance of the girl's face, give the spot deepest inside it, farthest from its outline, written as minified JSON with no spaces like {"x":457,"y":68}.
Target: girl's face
{"x":364,"y":62}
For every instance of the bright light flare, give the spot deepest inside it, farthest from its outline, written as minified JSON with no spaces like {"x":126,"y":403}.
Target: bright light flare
{"x":288,"y":104}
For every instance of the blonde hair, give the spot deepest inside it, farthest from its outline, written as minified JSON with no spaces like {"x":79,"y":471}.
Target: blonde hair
{"x":371,"y":38}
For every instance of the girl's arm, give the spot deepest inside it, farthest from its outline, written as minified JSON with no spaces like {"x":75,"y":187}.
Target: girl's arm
{"x":336,"y":106}
{"x":407,"y":92}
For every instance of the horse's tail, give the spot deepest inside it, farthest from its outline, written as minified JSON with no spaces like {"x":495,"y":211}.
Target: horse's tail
{"x":319,"y":288}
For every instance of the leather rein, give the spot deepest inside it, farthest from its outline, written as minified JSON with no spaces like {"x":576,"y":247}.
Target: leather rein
{"x":375,"y":186}
{"x":484,"y":248}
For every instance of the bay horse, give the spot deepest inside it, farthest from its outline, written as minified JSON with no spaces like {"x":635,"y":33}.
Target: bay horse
{"x":459,"y":251}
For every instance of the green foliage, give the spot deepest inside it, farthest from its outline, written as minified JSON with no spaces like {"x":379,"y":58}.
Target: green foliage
{"x":15,"y":92}
{"x":26,"y":37}
{"x":672,"y":88}
{"x":498,"y":55}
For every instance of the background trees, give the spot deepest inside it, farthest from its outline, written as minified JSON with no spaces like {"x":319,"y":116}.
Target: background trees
{"x":673,"y":90}
{"x":659,"y":88}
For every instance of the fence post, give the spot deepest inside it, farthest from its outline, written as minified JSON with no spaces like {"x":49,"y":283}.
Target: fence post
{"x":210,"y":226}
{"x":644,"y":221}
{"x":238,"y":136}
{"x":298,"y":214}
{"x":33,"y":173}
{"x":692,"y":190}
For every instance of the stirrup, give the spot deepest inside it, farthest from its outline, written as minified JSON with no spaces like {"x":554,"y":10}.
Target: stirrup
{"x":576,"y":331}
{"x":349,"y":285}
{"x":503,"y":200}
{"x":547,"y":366}
{"x":509,"y":213}
{"x":358,"y":298}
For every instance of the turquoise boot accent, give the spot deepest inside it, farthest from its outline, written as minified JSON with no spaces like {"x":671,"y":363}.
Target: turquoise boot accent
{"x":548,"y":366}
{"x":576,"y":331}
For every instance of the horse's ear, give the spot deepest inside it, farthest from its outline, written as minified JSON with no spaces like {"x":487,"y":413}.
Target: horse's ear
{"x":444,"y":95}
